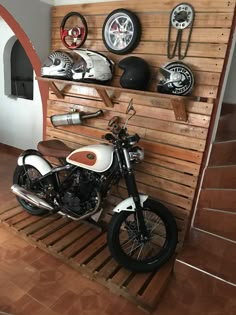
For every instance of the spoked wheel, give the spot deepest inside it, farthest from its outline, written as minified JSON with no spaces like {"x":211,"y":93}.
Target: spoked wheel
{"x":133,"y":252}
{"x":121,"y":31}
{"x":24,"y":178}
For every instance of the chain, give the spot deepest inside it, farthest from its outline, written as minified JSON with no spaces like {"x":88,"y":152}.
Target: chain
{"x":178,"y":41}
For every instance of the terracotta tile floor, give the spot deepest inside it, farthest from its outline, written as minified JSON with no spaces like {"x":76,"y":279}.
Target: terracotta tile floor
{"x":33,"y":282}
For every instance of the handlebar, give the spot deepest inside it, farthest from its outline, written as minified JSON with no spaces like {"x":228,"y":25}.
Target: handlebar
{"x":123,"y":138}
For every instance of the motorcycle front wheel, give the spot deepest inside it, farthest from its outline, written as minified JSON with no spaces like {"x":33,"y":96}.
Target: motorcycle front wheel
{"x":23,"y":177}
{"x":128,"y":248}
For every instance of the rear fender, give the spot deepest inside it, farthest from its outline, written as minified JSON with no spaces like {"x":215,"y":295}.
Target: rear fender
{"x":34,"y":158}
{"x":128,"y":204}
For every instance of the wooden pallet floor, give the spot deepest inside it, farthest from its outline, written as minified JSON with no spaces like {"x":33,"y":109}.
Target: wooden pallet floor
{"x":83,"y":247}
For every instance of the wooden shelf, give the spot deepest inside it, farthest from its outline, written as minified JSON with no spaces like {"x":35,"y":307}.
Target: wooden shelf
{"x":178,"y":102}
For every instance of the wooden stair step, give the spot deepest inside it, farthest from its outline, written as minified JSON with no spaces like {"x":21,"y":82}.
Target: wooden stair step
{"x":214,"y":221}
{"x":209,"y":253}
{"x":220,"y":177}
{"x":223,"y":153}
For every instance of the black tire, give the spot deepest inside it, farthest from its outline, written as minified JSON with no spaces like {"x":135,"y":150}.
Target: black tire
{"x":20,"y":178}
{"x":164,"y":246}
{"x":133,"y":26}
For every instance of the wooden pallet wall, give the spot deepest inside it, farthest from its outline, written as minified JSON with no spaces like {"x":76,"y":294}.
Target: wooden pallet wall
{"x":174,"y":149}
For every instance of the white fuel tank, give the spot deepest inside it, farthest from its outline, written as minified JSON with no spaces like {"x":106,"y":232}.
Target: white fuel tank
{"x":97,"y":158}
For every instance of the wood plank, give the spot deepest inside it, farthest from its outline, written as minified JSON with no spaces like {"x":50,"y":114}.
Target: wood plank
{"x":158,"y":19}
{"x":68,"y":239}
{"x":120,"y":277}
{"x":39,"y":224}
{"x":86,"y":235}
{"x":151,"y":146}
{"x":150,"y":6}
{"x":49,"y":229}
{"x":88,"y":252}
{"x":157,"y":284}
{"x":89,"y":102}
{"x":161,"y":195}
{"x":107,"y":269}
{"x":165,"y":184}
{"x":10,"y":213}
{"x":153,"y":111}
{"x":115,"y":275}
{"x":9,"y":204}
{"x":172,"y":163}
{"x":173,"y":175}
{"x":59,"y":234}
{"x":98,"y":259}
{"x":83,"y":89}
{"x":150,"y":123}
{"x":17,"y":218}
{"x":98,"y":129}
{"x":136,"y":283}
{"x":216,"y":35}
{"x":204,"y":90}
{"x":208,"y":50}
{"x":28,"y":221}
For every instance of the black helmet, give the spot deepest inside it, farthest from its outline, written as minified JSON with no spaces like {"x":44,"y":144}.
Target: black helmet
{"x":136,"y":73}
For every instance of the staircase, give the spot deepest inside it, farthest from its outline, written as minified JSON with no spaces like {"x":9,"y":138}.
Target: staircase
{"x":208,"y":258}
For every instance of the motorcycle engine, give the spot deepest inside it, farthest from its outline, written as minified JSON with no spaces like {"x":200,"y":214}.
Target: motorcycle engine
{"x":80,"y":194}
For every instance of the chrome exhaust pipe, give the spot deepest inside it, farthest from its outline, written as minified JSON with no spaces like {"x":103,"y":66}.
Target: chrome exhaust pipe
{"x":30,"y":197}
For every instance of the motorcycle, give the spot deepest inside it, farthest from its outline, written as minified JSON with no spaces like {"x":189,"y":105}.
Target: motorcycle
{"x":142,"y":233}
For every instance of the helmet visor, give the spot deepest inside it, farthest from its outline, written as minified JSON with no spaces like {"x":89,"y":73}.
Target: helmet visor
{"x":79,"y":66}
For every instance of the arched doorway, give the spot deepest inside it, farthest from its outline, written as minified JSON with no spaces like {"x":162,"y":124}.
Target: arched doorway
{"x":32,"y":55}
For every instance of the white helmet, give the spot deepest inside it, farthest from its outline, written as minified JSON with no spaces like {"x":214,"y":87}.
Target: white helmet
{"x":58,"y":65}
{"x":92,"y":67}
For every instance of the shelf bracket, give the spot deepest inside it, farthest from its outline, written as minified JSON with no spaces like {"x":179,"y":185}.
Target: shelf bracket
{"x":55,"y":89}
{"x":104,"y":96}
{"x":179,"y":109}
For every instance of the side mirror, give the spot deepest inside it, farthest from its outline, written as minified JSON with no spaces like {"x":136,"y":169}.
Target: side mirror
{"x":130,"y":107}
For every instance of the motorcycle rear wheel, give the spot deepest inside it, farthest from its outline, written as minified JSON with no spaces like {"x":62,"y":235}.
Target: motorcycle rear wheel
{"x":20,"y":178}
{"x":143,"y":256}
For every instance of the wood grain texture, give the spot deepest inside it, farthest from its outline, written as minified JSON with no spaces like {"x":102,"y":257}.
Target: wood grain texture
{"x":173,"y":149}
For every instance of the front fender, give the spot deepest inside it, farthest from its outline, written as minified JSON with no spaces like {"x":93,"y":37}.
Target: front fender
{"x":37,"y":161}
{"x":128,"y":204}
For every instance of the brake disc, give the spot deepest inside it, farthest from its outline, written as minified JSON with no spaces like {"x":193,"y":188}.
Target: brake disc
{"x":176,"y":78}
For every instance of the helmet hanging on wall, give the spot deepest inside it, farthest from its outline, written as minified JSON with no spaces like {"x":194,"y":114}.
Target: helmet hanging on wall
{"x":58,"y":65}
{"x":136,"y":73}
{"x":175,"y":78}
{"x":92,"y":67}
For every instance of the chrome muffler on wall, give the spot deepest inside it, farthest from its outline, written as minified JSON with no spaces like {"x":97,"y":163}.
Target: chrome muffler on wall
{"x":73,"y":118}
{"x":30,"y":197}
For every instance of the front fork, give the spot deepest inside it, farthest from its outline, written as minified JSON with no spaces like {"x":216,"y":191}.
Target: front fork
{"x":133,"y":192}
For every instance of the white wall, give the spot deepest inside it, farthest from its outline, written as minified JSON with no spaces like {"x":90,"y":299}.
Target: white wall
{"x":65,"y":2}
{"x":20,"y":119}
{"x":230,"y":90}
{"x":34,"y":17}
